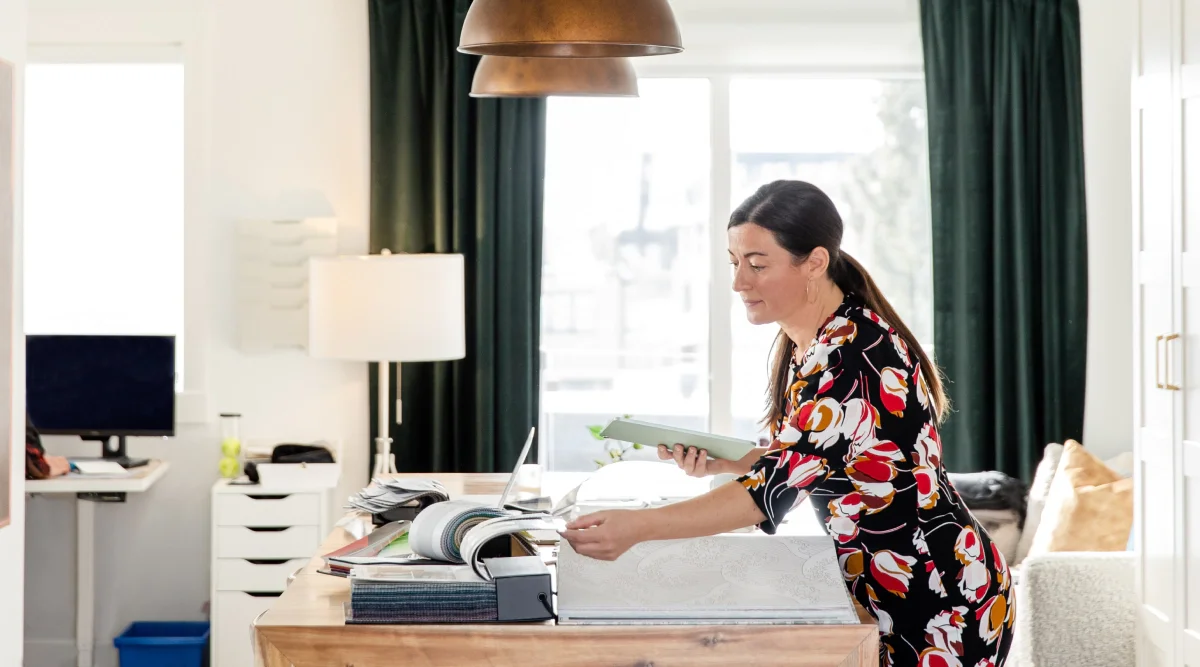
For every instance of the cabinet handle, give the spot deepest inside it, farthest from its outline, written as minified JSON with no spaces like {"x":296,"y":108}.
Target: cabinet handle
{"x":1167,"y":339}
{"x":1157,"y":362}
{"x":267,"y":529}
{"x":263,"y":594}
{"x":266,"y":561}
{"x":259,"y":496}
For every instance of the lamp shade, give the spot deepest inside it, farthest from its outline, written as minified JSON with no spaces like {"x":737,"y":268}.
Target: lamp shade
{"x":498,"y":76}
{"x":387,"y":307}
{"x":570,"y":28}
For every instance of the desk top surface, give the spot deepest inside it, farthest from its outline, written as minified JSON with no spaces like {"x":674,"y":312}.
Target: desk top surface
{"x":306,"y":626}
{"x":142,"y":479}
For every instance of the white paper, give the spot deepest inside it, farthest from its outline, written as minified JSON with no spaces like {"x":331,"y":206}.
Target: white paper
{"x":108,"y":468}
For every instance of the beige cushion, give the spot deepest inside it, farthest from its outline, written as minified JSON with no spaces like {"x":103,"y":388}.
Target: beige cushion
{"x":1038,"y":490}
{"x":1089,"y":507}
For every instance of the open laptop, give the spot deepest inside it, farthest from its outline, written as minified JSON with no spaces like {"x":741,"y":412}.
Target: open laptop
{"x":512,"y":480}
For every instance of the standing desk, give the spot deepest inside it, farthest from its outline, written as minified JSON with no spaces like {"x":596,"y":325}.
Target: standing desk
{"x":140,"y":481}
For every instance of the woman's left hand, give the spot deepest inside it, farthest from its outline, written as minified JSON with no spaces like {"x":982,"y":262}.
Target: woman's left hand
{"x":608,"y":534}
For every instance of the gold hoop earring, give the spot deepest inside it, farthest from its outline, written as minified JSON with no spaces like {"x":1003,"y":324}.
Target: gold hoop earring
{"x":807,"y":293}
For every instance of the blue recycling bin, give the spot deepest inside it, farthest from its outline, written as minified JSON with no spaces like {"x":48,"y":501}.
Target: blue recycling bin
{"x":163,"y":644}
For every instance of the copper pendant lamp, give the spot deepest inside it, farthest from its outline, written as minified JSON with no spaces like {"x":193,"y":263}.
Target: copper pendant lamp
{"x":570,"y":28}
{"x":498,"y":76}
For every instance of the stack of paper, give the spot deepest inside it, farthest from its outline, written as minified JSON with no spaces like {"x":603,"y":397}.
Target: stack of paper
{"x":99,"y":469}
{"x":388,"y":494}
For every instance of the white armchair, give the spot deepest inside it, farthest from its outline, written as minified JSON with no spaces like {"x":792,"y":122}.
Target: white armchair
{"x":1076,"y":609}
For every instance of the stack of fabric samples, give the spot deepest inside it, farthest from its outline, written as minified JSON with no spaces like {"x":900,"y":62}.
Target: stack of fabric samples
{"x":419,"y":594}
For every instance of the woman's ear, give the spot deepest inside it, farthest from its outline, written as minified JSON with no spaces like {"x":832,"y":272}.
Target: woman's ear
{"x":818,"y":262}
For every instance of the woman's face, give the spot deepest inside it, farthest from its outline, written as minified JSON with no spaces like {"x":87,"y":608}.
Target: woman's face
{"x":770,"y":284}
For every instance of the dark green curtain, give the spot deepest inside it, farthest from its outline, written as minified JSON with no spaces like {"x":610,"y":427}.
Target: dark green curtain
{"x":454,"y":174}
{"x":1009,"y":226}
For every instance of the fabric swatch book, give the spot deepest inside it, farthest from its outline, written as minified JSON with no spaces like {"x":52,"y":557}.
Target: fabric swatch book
{"x":792,"y":577}
{"x":420,"y":594}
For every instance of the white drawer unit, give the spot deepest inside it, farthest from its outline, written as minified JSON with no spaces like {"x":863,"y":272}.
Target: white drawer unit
{"x":232,"y":642}
{"x":267,"y":509}
{"x":260,"y":536}
{"x":259,"y":575}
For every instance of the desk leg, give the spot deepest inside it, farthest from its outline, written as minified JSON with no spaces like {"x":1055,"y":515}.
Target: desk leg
{"x":85,"y":583}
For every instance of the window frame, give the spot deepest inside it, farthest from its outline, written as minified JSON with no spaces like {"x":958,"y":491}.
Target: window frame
{"x":190,"y":401}
{"x":720,"y":296}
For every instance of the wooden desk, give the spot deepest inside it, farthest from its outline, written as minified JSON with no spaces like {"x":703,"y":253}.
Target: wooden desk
{"x":306,"y":628}
{"x":140,"y":481}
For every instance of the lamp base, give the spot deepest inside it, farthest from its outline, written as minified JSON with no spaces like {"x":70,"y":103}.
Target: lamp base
{"x":385,"y":461}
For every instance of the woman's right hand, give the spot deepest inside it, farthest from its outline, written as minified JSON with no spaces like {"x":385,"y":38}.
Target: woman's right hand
{"x":698,"y":464}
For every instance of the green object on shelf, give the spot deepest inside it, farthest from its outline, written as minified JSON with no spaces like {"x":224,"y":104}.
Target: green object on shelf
{"x":230,"y":467}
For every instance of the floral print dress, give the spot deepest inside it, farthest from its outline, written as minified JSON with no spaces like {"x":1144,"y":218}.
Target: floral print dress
{"x":860,"y":440}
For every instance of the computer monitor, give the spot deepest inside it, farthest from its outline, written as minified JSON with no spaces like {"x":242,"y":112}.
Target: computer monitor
{"x":101,"y":387}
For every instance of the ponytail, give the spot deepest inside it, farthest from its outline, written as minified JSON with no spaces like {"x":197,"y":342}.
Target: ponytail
{"x":803,"y":218}
{"x":852,"y":278}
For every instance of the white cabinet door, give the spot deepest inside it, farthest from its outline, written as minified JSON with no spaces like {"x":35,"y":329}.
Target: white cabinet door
{"x":1155,"y":126}
{"x":1186,"y":349}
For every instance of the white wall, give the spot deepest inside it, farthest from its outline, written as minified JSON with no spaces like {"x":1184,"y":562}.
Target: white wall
{"x":1107,"y":46}
{"x":12,"y":537}
{"x":278,"y":126}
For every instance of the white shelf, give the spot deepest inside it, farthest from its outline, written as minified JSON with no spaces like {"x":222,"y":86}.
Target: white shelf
{"x":272,"y":279}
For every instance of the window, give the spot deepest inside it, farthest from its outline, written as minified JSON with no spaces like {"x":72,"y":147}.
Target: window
{"x":863,"y":142}
{"x":629,"y":278}
{"x":104,"y":203}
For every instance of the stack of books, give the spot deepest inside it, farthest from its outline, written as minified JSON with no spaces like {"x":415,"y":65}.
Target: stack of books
{"x":432,"y":570}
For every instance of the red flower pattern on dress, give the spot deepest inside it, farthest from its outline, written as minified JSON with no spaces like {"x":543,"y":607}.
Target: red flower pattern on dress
{"x":804,"y":470}
{"x":893,"y":387}
{"x":893,"y":571}
{"x":936,"y":657}
{"x":945,"y":630}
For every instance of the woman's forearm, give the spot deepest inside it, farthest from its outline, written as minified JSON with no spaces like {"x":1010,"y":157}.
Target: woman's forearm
{"x":726,"y":508}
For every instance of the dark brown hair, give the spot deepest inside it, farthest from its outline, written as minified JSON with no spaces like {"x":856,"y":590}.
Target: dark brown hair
{"x":802,"y":218}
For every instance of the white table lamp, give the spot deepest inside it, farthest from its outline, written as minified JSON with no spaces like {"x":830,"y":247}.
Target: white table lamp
{"x":387,"y":308}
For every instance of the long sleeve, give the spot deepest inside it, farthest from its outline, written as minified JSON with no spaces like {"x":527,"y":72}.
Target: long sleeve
{"x":846,"y":384}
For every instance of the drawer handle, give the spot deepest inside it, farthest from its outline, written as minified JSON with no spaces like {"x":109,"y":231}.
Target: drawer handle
{"x":267,"y":497}
{"x":266,"y":561}
{"x":268,"y":529}
{"x":263,"y":594}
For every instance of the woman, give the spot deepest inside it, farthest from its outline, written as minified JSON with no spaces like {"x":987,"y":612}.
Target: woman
{"x":39,"y":464}
{"x":854,"y":405}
